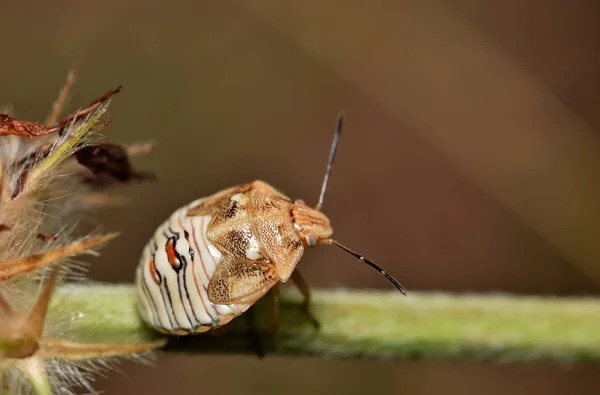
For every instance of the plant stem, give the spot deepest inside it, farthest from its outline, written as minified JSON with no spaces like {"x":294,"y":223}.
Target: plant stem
{"x":373,"y":324}
{"x":36,"y":373}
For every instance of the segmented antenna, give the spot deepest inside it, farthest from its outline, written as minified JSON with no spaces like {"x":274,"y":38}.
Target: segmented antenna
{"x":332,"y":152}
{"x":334,"y":145}
{"x":391,"y":279}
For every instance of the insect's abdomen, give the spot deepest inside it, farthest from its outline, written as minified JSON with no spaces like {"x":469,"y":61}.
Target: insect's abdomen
{"x":173,"y":275}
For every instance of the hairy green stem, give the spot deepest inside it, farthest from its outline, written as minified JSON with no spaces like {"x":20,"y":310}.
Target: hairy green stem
{"x":371,"y":324}
{"x":36,"y":373}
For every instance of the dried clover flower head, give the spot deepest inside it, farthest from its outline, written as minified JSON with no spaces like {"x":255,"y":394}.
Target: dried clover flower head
{"x":47,"y":170}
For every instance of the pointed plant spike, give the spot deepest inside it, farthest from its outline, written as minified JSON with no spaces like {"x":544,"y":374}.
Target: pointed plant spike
{"x":73,"y":351}
{"x":16,"y":267}
{"x":34,"y":324}
{"x":59,"y":104}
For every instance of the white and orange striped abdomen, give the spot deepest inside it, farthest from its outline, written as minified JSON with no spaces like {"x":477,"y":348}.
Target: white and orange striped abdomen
{"x":173,"y":275}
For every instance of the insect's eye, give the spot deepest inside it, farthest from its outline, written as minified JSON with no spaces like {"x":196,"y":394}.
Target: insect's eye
{"x":311,"y":241}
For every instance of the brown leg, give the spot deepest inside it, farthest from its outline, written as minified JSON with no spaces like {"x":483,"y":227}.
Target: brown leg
{"x":303,"y":287}
{"x":253,"y":336}
{"x":274,"y":301}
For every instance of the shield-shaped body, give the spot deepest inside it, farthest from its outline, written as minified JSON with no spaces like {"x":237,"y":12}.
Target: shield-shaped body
{"x":212,"y":259}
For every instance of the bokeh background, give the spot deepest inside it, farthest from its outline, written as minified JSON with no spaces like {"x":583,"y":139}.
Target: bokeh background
{"x":470,"y":159}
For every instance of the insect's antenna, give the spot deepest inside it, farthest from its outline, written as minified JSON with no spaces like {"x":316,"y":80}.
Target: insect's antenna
{"x":391,"y":279}
{"x":334,"y":144}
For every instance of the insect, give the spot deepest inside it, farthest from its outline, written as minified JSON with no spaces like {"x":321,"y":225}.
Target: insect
{"x":214,"y":258}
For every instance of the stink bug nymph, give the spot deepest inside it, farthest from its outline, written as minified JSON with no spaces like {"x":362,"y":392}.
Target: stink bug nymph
{"x":215,"y":257}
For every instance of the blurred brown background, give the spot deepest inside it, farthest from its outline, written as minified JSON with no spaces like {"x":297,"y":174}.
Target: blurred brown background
{"x":470,"y":159}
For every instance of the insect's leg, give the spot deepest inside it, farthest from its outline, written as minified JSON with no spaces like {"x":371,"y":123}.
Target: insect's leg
{"x":303,"y":287}
{"x":274,"y":302}
{"x":252,"y":333}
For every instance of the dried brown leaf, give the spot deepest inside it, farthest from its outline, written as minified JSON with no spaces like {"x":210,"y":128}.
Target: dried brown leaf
{"x":15,"y":127}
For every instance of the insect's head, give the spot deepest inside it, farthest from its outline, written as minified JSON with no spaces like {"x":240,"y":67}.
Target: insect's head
{"x":314,"y":227}
{"x":311,"y":224}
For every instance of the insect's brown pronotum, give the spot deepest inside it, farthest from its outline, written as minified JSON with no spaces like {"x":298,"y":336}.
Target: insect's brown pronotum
{"x":215,"y":257}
